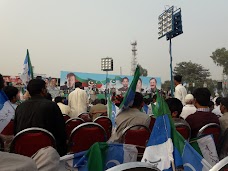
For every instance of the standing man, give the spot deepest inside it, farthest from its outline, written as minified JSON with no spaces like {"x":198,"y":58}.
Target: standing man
{"x":180,"y":91}
{"x":78,"y":100}
{"x":42,"y":113}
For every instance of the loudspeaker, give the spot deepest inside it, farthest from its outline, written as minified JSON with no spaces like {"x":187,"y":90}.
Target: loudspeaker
{"x":219,"y":85}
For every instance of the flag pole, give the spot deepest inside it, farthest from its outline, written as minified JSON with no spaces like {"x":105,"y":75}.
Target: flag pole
{"x":173,"y":165}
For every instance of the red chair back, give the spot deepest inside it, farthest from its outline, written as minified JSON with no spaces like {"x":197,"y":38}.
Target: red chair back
{"x":1,"y":144}
{"x":28,"y":141}
{"x":66,"y":117}
{"x":84,"y":136}
{"x":85,"y":116}
{"x":136,"y":135}
{"x":106,"y":123}
{"x":184,"y":130}
{"x":211,"y":128}
{"x":8,"y":130}
{"x":152,"y":121}
{"x":71,"y":124}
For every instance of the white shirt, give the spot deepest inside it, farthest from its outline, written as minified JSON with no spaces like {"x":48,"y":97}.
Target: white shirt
{"x":64,"y":108}
{"x":180,"y":93}
{"x":78,"y":102}
{"x":217,"y":111}
{"x":187,"y":110}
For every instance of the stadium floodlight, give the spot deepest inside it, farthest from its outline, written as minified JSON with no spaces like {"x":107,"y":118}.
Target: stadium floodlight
{"x":170,"y":25}
{"x":165,"y":22}
{"x":107,"y":64}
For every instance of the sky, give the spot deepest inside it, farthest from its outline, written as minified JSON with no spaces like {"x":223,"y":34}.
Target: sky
{"x":73,"y":35}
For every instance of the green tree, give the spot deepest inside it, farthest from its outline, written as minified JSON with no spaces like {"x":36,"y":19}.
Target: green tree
{"x":220,"y":58}
{"x":166,"y":85}
{"x":192,"y":73}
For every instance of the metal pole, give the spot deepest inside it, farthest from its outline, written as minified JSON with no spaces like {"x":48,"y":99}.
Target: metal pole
{"x":106,"y":88}
{"x":171,"y":66}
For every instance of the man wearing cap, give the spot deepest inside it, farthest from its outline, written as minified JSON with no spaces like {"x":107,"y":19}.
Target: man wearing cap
{"x":189,"y":108}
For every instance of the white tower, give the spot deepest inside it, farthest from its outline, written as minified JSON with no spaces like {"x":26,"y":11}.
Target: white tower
{"x":134,"y":58}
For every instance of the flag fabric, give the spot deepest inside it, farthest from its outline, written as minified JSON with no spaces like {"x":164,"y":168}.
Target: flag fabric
{"x":192,"y":160}
{"x":159,"y":150}
{"x":27,"y":73}
{"x":183,"y":154}
{"x":102,"y":156}
{"x":6,"y":111}
{"x":205,"y":146}
{"x":130,"y":95}
{"x":112,"y":111}
{"x":146,"y":109}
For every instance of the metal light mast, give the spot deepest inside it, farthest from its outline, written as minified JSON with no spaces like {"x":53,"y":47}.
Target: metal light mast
{"x":134,"y":58}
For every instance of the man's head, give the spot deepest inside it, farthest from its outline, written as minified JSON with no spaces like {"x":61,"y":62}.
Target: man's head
{"x":218,"y":101}
{"x":53,"y":82}
{"x":71,"y":79}
{"x":153,"y":83}
{"x":1,"y":82}
{"x":59,"y":99}
{"x":177,"y":79}
{"x":125,"y":82}
{"x":138,"y":101}
{"x":12,"y":93}
{"x":224,"y":105}
{"x":37,"y":87}
{"x":175,"y":107}
{"x":189,"y":99}
{"x":78,"y":85}
{"x":202,"y":97}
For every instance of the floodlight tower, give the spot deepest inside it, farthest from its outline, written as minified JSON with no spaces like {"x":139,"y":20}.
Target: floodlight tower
{"x":134,"y":58}
{"x":106,"y":65}
{"x":170,"y":25}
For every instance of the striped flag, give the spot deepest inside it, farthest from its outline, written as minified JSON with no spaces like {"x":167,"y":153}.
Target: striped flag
{"x":166,"y":148}
{"x":6,"y":111}
{"x":27,"y":73}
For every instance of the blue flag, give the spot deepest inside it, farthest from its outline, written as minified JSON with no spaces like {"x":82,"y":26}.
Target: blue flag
{"x":102,"y":156}
{"x":192,"y":160}
{"x":6,"y":111}
{"x":27,"y":73}
{"x":159,"y":150}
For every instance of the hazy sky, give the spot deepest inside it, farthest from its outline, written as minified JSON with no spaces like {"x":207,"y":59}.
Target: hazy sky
{"x":73,"y":35}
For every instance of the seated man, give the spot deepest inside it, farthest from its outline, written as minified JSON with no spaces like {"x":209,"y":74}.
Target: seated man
{"x":216,"y":109}
{"x":175,"y":107}
{"x":130,"y":116}
{"x":189,"y":108}
{"x":42,"y":113}
{"x":224,"y":110}
{"x":65,"y":109}
{"x":13,"y":95}
{"x":202,"y":116}
{"x":98,"y":108}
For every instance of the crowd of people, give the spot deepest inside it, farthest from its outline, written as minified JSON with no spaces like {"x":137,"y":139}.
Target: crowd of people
{"x":194,"y":110}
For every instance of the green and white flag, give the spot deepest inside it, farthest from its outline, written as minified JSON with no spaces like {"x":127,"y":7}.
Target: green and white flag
{"x":205,"y":146}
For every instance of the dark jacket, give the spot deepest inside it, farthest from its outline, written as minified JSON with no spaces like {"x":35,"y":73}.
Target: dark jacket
{"x":199,"y":119}
{"x":42,"y":113}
